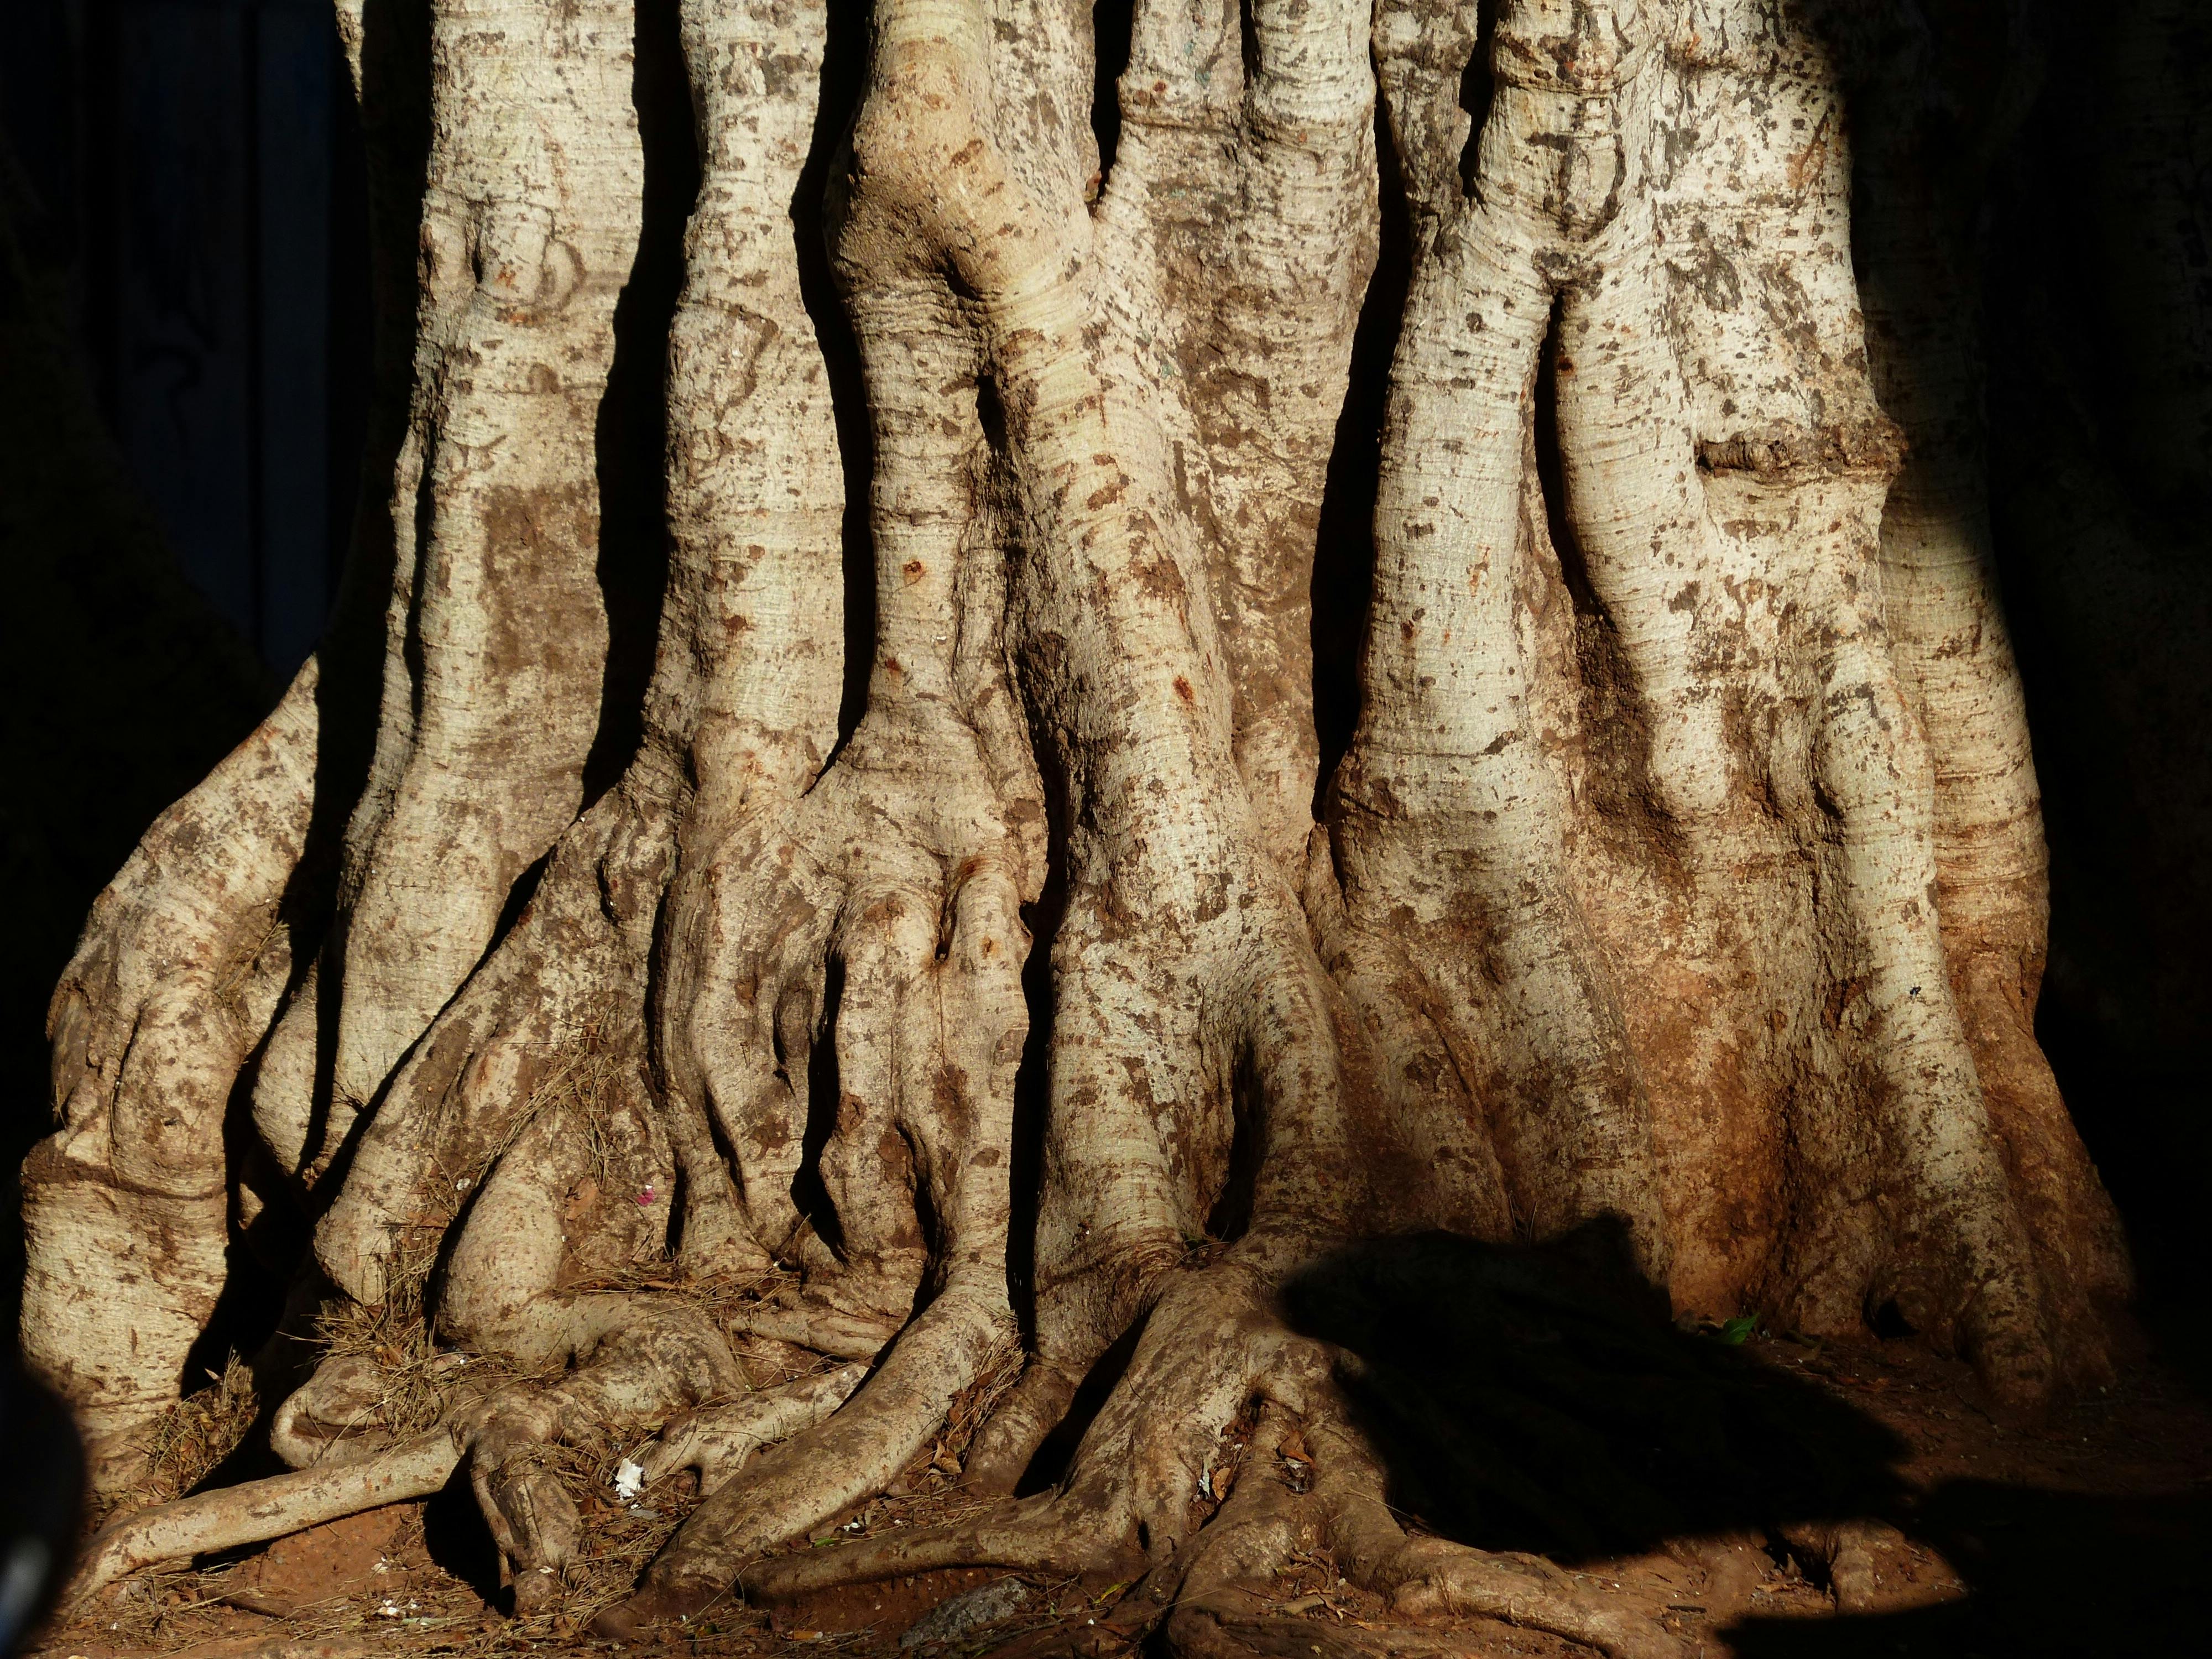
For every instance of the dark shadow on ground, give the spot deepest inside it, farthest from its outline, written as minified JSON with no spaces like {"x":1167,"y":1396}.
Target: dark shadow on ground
{"x":1540,"y":1399}
{"x":456,"y":1539}
{"x":2048,"y":1572}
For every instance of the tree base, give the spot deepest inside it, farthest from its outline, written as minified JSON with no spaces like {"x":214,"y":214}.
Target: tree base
{"x":1960,"y":1558}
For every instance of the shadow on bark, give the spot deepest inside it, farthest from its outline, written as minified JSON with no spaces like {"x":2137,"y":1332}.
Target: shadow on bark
{"x":1344,"y":547}
{"x":632,"y":430}
{"x":844,"y":68}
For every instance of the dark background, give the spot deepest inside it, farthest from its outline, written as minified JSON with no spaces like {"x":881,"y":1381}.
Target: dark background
{"x":198,"y":163}
{"x":184,"y":337}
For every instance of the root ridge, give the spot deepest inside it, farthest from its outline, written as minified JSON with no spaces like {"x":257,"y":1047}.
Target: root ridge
{"x":263,"y":1509}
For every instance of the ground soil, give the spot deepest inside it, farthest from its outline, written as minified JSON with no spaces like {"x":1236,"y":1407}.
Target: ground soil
{"x":2088,"y":1534}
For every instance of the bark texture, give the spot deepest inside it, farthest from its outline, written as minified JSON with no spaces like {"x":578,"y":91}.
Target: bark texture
{"x":1683,"y":876}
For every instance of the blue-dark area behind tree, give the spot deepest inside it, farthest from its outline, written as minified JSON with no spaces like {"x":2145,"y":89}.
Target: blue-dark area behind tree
{"x":184,"y":341}
{"x":198,"y":163}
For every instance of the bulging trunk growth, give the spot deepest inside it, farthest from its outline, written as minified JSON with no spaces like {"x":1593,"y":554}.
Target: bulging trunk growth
{"x":593,"y":1055}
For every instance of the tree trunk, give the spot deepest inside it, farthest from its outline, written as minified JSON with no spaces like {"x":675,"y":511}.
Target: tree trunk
{"x":673,"y":1052}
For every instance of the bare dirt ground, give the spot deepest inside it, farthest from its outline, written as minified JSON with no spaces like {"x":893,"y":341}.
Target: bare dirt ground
{"x":2089,"y":1533}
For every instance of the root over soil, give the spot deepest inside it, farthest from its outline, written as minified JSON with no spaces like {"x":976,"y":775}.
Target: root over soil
{"x":1996,"y":1539}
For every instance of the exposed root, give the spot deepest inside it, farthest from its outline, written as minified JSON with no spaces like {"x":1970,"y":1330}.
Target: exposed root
{"x":1154,"y":1450}
{"x":354,"y":1405}
{"x":1432,"y":1578}
{"x":714,"y":1442}
{"x":1276,"y":1510}
{"x":263,"y":1509}
{"x":1303,"y":1482}
{"x":852,"y":1456}
{"x":357,"y":1427}
{"x":1005,"y":1444}
{"x":1020,"y":1535}
{"x":1143,"y":1470}
{"x":833,"y":1331}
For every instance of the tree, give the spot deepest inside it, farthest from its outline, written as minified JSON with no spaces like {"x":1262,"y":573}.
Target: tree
{"x":592,"y":1047}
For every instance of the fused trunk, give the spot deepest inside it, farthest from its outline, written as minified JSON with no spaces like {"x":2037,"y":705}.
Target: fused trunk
{"x":678,"y":1049}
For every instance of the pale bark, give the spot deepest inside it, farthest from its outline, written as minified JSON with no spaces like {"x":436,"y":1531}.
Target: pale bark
{"x":1683,"y":874}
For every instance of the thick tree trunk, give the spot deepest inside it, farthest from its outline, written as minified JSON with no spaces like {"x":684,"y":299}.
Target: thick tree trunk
{"x":1683,"y":877}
